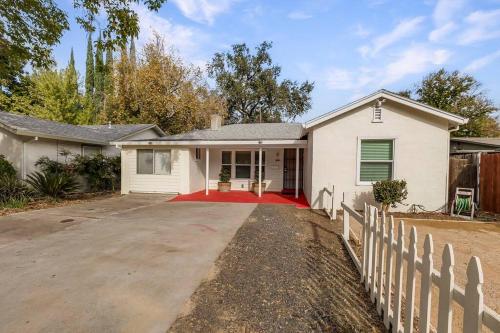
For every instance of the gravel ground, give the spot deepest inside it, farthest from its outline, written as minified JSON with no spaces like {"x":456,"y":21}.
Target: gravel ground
{"x":285,"y":270}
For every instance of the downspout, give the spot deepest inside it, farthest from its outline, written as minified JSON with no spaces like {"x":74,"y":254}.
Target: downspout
{"x":447,"y":185}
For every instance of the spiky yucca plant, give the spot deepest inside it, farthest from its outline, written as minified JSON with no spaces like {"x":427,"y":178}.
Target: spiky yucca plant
{"x":54,"y":185}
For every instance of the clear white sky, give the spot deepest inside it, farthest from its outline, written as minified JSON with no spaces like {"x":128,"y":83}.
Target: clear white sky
{"x":348,"y":48}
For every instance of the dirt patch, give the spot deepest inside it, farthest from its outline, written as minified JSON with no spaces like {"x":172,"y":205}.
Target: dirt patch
{"x":47,"y":203}
{"x":285,"y":270}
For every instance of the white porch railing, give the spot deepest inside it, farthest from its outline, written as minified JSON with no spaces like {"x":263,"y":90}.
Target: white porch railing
{"x":380,"y":251}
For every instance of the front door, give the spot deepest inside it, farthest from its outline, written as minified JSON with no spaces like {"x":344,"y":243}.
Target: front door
{"x":289,"y":167}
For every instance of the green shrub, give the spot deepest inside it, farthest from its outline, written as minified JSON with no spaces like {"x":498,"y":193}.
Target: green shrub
{"x":12,"y":188}
{"x":6,"y":168}
{"x":389,"y":193}
{"x":102,"y":172}
{"x":224,"y":175}
{"x":54,"y":185}
{"x":49,"y":166}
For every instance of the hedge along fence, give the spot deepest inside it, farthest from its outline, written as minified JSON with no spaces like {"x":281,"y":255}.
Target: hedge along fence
{"x":381,"y":268}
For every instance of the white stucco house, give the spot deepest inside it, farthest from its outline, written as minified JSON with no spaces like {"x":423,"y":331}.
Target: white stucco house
{"x":24,"y":139}
{"x":380,"y":136}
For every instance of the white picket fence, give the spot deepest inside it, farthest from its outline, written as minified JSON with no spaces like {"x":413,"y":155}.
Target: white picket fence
{"x":381,"y":251}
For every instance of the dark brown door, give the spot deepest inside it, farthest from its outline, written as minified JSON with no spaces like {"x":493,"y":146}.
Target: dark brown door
{"x":289,"y":165}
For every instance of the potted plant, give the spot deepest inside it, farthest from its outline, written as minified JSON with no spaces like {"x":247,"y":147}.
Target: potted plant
{"x":255,"y":184}
{"x":224,"y":184}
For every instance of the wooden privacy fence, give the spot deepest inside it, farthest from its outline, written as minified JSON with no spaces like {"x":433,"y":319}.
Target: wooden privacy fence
{"x":489,"y":183}
{"x":381,"y":268}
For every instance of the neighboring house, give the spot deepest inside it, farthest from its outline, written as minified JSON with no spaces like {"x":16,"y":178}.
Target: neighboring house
{"x":24,"y":139}
{"x":381,"y":136}
{"x":474,"y":145}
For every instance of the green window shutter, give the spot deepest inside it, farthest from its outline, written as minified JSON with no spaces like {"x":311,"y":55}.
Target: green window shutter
{"x":374,"y":171}
{"x":378,"y":150}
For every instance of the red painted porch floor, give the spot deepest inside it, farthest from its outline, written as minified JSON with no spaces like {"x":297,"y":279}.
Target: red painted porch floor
{"x":245,"y":197}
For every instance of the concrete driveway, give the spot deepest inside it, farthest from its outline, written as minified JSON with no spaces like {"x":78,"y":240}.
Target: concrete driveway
{"x":123,"y":264}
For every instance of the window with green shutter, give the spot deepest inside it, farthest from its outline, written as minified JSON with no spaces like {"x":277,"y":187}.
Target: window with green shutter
{"x":376,"y":160}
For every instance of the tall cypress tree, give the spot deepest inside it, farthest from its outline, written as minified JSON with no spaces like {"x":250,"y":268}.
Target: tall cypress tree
{"x":89,"y":69}
{"x":132,"y":57}
{"x":108,"y":73}
{"x":72,"y":75}
{"x":99,"y":78}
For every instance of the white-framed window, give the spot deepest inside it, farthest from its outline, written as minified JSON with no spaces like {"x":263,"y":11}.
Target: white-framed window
{"x":226,"y":162}
{"x":91,"y":150}
{"x":375,"y":160}
{"x":243,"y":164}
{"x":377,"y":115}
{"x":197,"y":154}
{"x":154,"y":161}
{"x":257,"y":164}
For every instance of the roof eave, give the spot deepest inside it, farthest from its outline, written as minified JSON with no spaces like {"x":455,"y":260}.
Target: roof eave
{"x":209,"y":142}
{"x":57,"y":137}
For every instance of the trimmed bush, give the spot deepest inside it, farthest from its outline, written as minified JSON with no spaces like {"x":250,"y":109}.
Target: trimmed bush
{"x":101,"y":172}
{"x":224,"y":175}
{"x":6,"y":168}
{"x":47,"y":165}
{"x":389,"y":193}
{"x":54,"y":185}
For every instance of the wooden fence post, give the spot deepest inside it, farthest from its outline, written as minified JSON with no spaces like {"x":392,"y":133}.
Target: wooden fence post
{"x":374,"y":254}
{"x":388,"y":274}
{"x":446,"y":283}
{"x":345,"y":219}
{"x":473,"y":307}
{"x":368,"y":248}
{"x":426,"y":286}
{"x":410,"y":281}
{"x":380,"y":282}
{"x":396,"y":324}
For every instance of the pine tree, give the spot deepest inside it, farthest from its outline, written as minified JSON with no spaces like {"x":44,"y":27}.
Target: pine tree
{"x":89,"y":70}
{"x":99,"y":78}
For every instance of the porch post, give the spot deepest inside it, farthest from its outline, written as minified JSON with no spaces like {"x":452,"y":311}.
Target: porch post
{"x":207,"y":161}
{"x":297,"y":172}
{"x":260,"y":172}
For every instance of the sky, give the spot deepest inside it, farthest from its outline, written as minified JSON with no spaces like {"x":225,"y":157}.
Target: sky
{"x":347,"y":48}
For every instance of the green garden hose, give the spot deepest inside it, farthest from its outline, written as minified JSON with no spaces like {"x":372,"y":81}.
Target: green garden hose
{"x":463,"y":204}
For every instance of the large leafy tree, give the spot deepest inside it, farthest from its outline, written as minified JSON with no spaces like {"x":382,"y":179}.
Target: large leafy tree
{"x":29,"y":29}
{"x":460,"y":94}
{"x":165,"y":91}
{"x":250,"y":85}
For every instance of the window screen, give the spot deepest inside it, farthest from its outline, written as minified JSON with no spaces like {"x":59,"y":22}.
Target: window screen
{"x":226,"y":161}
{"x":376,"y":160}
{"x":243,"y":164}
{"x":145,"y":161}
{"x":91,"y":150}
{"x":162,"y":162}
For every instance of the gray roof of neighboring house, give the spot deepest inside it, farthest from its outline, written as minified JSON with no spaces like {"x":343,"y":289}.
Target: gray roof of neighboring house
{"x":239,"y":132}
{"x":495,"y":142}
{"x":99,"y":134}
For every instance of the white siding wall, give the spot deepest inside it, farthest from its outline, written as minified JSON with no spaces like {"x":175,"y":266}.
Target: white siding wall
{"x":176,"y":182}
{"x":34,"y":149}
{"x":421,"y":155}
{"x":196,"y":171}
{"x":11,"y":146}
{"x":273,"y":170}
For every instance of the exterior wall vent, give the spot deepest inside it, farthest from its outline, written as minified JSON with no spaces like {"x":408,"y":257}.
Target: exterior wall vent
{"x":377,"y":115}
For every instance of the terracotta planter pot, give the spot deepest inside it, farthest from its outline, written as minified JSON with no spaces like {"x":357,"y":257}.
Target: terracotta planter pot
{"x":255,"y":187}
{"x":224,"y":186}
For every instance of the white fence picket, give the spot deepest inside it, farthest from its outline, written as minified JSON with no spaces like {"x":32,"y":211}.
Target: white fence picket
{"x":396,"y":319}
{"x":473,"y":307}
{"x":388,"y":274}
{"x":377,"y":265}
{"x":380,"y":282}
{"x":410,"y":281}
{"x":446,"y":284}
{"x":373,"y":289}
{"x":426,"y":286}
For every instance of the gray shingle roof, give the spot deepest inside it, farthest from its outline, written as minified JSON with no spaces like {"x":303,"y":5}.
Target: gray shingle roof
{"x":101,"y":134}
{"x":484,"y":141}
{"x":265,"y":131}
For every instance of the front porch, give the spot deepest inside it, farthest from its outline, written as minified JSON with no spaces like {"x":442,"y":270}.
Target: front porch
{"x":246,"y":197}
